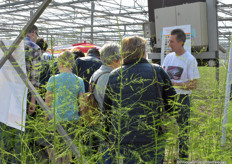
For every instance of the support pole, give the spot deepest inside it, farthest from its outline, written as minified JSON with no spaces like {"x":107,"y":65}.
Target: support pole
{"x":81,"y":41}
{"x":124,"y":30}
{"x":92,"y":14}
{"x":213,"y":31}
{"x":24,"y":31}
{"x":23,"y":76}
{"x":227,"y":97}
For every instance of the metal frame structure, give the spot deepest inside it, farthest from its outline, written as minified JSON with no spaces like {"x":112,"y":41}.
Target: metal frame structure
{"x":224,"y":24}
{"x":61,"y":21}
{"x":94,"y":21}
{"x":73,"y":21}
{"x":218,"y":31}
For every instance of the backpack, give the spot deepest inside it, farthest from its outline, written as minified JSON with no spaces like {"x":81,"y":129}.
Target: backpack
{"x":89,"y":109}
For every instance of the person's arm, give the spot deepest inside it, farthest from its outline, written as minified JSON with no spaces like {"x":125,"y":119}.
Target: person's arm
{"x":165,"y":62}
{"x":32,"y":105}
{"x":188,"y":85}
{"x":107,"y":110}
{"x":81,"y":104}
{"x":81,"y":97}
{"x":48,"y":99}
{"x":80,"y":94}
{"x":49,"y":93}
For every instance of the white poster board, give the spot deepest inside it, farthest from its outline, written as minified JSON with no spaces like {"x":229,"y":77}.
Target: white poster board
{"x":13,"y":92}
{"x":165,"y":49}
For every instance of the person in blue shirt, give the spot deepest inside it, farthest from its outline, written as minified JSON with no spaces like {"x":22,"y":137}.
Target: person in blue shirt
{"x":63,"y":91}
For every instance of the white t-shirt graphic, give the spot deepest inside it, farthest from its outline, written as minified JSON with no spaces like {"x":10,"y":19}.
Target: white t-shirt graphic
{"x":175,"y":72}
{"x":181,"y":69}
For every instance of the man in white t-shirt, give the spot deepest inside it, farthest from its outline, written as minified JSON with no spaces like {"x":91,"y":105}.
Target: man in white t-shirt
{"x":182,"y":69}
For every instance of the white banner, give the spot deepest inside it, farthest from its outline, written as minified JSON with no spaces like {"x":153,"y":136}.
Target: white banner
{"x":13,"y":91}
{"x":165,"y":49}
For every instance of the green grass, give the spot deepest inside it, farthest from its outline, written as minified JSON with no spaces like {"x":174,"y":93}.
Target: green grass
{"x":207,"y":115}
{"x":207,"y":107}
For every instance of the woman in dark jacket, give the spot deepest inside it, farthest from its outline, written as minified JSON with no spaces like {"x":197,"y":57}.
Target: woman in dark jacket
{"x":132,"y":106}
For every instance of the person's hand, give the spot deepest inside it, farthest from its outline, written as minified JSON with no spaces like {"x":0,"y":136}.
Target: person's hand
{"x":31,"y":109}
{"x":32,"y":105}
{"x":173,"y":82}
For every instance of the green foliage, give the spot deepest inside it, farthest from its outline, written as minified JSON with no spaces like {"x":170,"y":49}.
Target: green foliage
{"x":205,"y":129}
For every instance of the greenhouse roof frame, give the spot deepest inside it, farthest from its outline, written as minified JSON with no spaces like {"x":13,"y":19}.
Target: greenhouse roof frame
{"x":70,"y":21}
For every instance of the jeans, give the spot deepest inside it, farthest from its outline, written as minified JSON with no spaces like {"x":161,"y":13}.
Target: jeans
{"x":183,"y":122}
{"x":106,"y":159}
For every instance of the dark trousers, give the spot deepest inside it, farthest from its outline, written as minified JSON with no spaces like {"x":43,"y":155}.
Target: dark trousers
{"x":138,"y":153}
{"x":10,"y":144}
{"x":183,"y":122}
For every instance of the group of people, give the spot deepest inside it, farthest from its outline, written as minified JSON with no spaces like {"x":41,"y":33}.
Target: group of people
{"x":132,"y":94}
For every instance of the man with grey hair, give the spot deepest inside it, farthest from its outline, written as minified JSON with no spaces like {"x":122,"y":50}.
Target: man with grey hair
{"x":110,"y":57}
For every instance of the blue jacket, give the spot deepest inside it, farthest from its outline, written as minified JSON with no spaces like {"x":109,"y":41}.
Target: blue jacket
{"x":132,"y":101}
{"x":84,"y":67}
